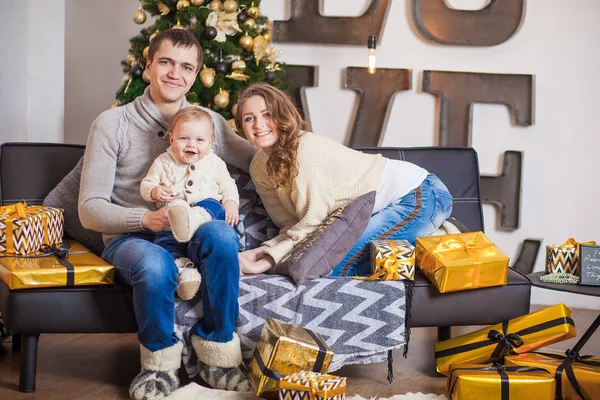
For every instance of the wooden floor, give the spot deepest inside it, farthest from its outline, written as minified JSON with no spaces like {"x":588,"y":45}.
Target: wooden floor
{"x":101,"y":366}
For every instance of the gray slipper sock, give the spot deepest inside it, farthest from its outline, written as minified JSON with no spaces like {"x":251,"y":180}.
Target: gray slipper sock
{"x":233,"y":379}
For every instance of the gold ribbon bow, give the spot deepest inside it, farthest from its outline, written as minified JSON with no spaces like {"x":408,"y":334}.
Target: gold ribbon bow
{"x":571,"y":243}
{"x":389,"y":270}
{"x":314,"y":388}
{"x":21,"y":211}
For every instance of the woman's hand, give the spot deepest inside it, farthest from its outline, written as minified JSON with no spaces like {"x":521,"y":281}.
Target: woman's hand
{"x":255,"y":261}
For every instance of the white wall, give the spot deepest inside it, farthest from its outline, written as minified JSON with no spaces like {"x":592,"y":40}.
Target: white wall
{"x":32,"y":78}
{"x":558,"y":42}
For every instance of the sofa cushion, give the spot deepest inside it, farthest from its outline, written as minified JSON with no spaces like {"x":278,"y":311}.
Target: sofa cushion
{"x":317,"y":254}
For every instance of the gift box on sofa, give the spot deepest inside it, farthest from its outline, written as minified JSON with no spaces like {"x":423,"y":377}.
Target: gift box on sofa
{"x":308,"y":385}
{"x":495,"y":381}
{"x":69,"y":265}
{"x":461,"y":261}
{"x":564,"y":258}
{"x":531,"y":331}
{"x":392,"y":260}
{"x":284,"y":349}
{"x":24,"y":230}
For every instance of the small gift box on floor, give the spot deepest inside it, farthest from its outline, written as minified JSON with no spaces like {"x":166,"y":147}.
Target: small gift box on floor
{"x":23,"y":230}
{"x":392,"y":260}
{"x":308,"y":385}
{"x":495,"y":381}
{"x":564,"y":258}
{"x":69,"y":265}
{"x":284,"y":349}
{"x":531,"y":331}
{"x":461,"y":261}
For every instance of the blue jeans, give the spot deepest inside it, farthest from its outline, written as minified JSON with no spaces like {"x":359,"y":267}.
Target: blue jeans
{"x":152,"y":273}
{"x":418,"y":213}
{"x":167,"y":241}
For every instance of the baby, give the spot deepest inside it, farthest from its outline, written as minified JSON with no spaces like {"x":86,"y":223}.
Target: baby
{"x":193,"y":182}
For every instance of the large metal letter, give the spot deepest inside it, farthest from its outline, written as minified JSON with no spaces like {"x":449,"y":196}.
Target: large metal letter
{"x":504,"y":191}
{"x":459,"y":90}
{"x":301,"y":77}
{"x":492,"y":25}
{"x":307,"y":25}
{"x":375,"y":94}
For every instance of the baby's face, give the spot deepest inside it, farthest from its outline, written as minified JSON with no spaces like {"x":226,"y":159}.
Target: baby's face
{"x":192,"y":140}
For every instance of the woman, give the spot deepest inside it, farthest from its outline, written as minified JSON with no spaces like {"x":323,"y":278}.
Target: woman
{"x":302,"y":178}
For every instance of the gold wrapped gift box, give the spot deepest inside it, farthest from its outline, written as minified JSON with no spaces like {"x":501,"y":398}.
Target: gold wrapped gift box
{"x":586,"y":370}
{"x":531,"y":331}
{"x":392,"y":260}
{"x":490,"y":382}
{"x":461,"y":262}
{"x":308,"y":385}
{"x":564,"y":258}
{"x":23,"y":230}
{"x":75,"y":266}
{"x":284,"y":349}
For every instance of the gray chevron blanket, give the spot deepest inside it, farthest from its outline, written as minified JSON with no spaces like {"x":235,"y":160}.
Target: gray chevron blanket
{"x":359,"y":320}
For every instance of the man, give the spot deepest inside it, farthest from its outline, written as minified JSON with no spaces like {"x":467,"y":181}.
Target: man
{"x":121,"y":146}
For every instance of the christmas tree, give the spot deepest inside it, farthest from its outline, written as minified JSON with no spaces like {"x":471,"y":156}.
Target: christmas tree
{"x":236,"y":40}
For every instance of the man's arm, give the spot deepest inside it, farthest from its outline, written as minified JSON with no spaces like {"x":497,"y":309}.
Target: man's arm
{"x":96,"y":210}
{"x":232,"y":148}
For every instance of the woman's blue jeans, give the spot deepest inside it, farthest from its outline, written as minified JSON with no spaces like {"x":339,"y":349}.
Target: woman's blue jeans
{"x":152,"y":273}
{"x":418,"y":213}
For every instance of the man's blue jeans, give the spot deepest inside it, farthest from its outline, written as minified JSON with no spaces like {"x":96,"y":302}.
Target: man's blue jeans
{"x":418,"y":213}
{"x":166,"y":240}
{"x":152,"y":273}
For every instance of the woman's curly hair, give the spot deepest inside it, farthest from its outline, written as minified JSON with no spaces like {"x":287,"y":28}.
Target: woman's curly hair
{"x":282,"y":162}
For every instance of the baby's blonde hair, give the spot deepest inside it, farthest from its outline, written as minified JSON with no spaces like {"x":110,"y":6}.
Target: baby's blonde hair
{"x":191,"y":114}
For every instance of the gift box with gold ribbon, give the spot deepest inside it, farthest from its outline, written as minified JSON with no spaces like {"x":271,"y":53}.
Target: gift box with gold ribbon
{"x":461,"y":261}
{"x":392,"y":260}
{"x":531,"y":331}
{"x":23,"y":229}
{"x":284,"y":349}
{"x":564,"y":258}
{"x":308,"y":385}
{"x":69,"y":265}
{"x":495,"y":381}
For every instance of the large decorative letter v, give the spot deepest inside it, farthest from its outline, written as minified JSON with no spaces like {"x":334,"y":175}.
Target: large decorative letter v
{"x":375,"y":94}
{"x":307,"y":25}
{"x":492,"y":25}
{"x":459,"y":90}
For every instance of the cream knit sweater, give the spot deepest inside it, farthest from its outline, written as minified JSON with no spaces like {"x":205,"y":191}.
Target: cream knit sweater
{"x":330,"y":175}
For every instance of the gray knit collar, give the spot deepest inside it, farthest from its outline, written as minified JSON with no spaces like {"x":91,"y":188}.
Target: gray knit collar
{"x":150,"y":116}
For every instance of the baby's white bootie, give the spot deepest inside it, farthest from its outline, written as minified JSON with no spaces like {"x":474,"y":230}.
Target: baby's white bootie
{"x":185,"y":220}
{"x":188,"y":278}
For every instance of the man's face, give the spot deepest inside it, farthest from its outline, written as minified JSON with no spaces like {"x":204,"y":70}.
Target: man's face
{"x":172,"y":72}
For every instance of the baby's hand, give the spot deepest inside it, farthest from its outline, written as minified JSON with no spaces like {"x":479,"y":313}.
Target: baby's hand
{"x":161,"y":193}
{"x":231,"y":212}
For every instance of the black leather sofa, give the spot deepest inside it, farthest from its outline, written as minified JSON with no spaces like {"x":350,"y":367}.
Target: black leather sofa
{"x":28,"y":171}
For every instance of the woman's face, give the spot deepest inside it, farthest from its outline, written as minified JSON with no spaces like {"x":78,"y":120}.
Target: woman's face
{"x":259,"y":127}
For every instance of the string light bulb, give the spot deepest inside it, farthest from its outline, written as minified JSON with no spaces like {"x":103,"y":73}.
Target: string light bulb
{"x":372,"y":45}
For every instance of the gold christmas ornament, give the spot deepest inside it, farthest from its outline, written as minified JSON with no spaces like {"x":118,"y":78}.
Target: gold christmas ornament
{"x":234,"y":109}
{"x":221,"y":99}
{"x":207,"y":77}
{"x":268,"y":36}
{"x":139,"y":17}
{"x":250,"y":23}
{"x":269,"y":51}
{"x":197,"y":3}
{"x":145,"y":52}
{"x":153,"y":36}
{"x":230,"y":6}
{"x":129,"y":59}
{"x":215,"y":5}
{"x":178,"y":26}
{"x":246,"y":42}
{"x":253,"y":11}
{"x":126,"y":78}
{"x":238,"y":66}
{"x":145,"y":77}
{"x":183,"y":4}
{"x":162,"y":7}
{"x":231,"y":123}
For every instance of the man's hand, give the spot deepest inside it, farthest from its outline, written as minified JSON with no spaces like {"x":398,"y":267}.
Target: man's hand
{"x":156,"y":221}
{"x":161,"y":193}
{"x":231,"y":212}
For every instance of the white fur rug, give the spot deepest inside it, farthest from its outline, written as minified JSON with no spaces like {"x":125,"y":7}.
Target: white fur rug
{"x":193,"y":391}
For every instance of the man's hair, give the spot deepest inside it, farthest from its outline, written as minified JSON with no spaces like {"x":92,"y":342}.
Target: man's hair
{"x":191,"y":114}
{"x":179,"y":38}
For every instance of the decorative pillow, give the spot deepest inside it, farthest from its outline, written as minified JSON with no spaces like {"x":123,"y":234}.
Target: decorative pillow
{"x":255,"y":226}
{"x":326,"y":246}
{"x":65,"y":196}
